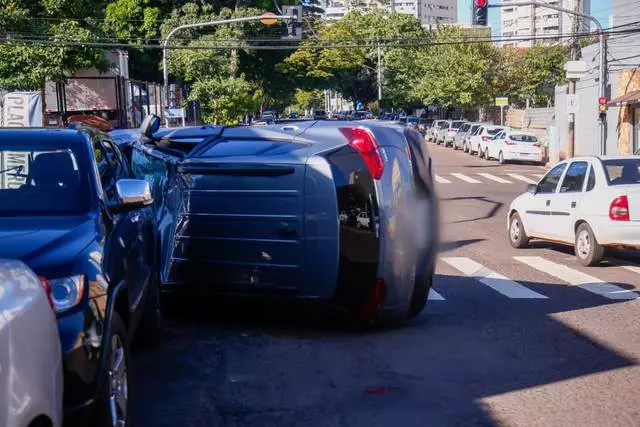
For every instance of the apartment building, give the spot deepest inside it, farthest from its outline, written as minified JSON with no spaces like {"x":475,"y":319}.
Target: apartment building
{"x":429,"y":12}
{"x":541,"y":23}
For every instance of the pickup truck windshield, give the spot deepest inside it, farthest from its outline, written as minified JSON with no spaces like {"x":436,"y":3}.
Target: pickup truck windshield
{"x":42,"y":179}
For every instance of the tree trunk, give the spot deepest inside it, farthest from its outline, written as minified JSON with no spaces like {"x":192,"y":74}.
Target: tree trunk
{"x":43,"y":104}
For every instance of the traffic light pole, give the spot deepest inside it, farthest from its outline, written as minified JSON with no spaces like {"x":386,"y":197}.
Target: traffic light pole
{"x":165,"y":44}
{"x":603,"y":59}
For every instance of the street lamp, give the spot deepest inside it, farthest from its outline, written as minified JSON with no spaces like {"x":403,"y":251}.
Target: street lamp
{"x":266,"y":18}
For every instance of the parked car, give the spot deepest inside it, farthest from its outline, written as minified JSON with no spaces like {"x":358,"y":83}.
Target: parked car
{"x":432,"y":132}
{"x":514,"y":145}
{"x":478,"y":141}
{"x":594,"y":203}
{"x":293,"y":115}
{"x":30,"y":357}
{"x":412,"y":122}
{"x":71,"y":210}
{"x":462,"y":134}
{"x":319,"y":115}
{"x":269,"y":113}
{"x":448,"y":132}
{"x":264,"y":211}
{"x":424,"y":125}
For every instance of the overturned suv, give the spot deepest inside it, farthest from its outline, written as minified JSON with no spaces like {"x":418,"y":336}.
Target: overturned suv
{"x":343,"y":213}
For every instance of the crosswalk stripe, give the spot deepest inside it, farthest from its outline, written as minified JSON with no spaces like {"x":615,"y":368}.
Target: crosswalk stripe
{"x":539,"y":175}
{"x":522,"y":178}
{"x":495,"y":178}
{"x":632,"y":268}
{"x":466,"y":178}
{"x":578,"y":278}
{"x":498,"y":282}
{"x":435,"y":296}
{"x":442,"y":180}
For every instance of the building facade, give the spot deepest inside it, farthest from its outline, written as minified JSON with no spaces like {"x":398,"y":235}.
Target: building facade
{"x":429,"y":12}
{"x":540,"y":22}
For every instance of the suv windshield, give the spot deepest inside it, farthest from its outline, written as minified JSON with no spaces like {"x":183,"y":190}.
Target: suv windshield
{"x":40,"y":179}
{"x":622,"y":171}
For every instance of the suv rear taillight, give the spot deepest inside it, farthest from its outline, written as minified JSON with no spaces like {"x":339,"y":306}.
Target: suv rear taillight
{"x":47,"y":290}
{"x":485,"y":138}
{"x":535,"y":145}
{"x":451,"y":129}
{"x":365,"y":143}
{"x":619,"y":209}
{"x":509,"y":142}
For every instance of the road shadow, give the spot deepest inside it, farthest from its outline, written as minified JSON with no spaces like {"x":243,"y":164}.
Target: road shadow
{"x":449,"y":246}
{"x":613,"y":257}
{"x":493,"y":210}
{"x":232,"y":362}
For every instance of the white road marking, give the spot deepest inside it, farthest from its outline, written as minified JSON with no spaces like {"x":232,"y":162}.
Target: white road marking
{"x":578,"y":278}
{"x":442,"y":180}
{"x":495,"y":178}
{"x":632,"y":268}
{"x":522,"y":178}
{"x":434,"y":296}
{"x":539,"y":175}
{"x":498,"y":282}
{"x":466,"y":178}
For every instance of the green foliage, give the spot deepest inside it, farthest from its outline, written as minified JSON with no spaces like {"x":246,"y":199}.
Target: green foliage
{"x":308,"y":99}
{"x":229,"y":99}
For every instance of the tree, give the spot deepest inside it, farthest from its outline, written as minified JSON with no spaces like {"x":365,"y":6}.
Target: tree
{"x":229,"y":99}
{"x":309,"y":99}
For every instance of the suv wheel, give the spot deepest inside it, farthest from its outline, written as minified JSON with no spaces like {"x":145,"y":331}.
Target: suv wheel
{"x":114,"y":406}
{"x":588,"y":251}
{"x":421,"y":287}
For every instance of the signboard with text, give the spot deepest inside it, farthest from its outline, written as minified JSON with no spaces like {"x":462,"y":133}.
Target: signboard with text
{"x":502,"y":101}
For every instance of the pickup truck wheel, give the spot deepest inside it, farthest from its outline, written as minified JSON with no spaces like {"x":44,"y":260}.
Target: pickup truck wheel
{"x":517,"y":236}
{"x":114,"y":401}
{"x":588,"y":251}
{"x":420,"y":294}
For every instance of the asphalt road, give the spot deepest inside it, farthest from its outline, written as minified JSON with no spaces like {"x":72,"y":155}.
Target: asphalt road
{"x":509,"y":337}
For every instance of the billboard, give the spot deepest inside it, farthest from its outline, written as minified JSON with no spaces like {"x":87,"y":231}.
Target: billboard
{"x":21,"y":109}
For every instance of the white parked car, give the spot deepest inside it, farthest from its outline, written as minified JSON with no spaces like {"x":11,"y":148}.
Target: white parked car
{"x":478,"y":141}
{"x":514,"y":145}
{"x":461,"y":137}
{"x":448,"y":131}
{"x":30,"y":355}
{"x":589,"y":202}
{"x":432,"y":132}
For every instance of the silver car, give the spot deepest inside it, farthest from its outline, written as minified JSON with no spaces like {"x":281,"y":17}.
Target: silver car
{"x":461,"y":138}
{"x":432,"y":132}
{"x":30,"y":355}
{"x":448,"y":131}
{"x":341,"y":213}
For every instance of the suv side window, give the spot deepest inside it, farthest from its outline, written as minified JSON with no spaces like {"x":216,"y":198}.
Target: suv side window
{"x":551,"y":179}
{"x":574,"y":178}
{"x":120,"y":167}
{"x":106,"y":170}
{"x":591,"y":182}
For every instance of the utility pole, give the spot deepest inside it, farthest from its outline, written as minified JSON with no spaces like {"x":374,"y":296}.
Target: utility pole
{"x":379,"y":75}
{"x":571,"y":128}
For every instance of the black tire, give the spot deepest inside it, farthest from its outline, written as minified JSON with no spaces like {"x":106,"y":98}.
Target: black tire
{"x":103,"y":416}
{"x":501,"y":159}
{"x":420,"y":294}
{"x":455,"y":147}
{"x":517,"y":236}
{"x":480,"y":153}
{"x":589,"y":252}
{"x":486,"y":154}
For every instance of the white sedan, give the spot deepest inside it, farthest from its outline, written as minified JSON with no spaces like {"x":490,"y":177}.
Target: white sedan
{"x":591,"y":203}
{"x":477,"y":142}
{"x":30,"y":355}
{"x":514,"y":145}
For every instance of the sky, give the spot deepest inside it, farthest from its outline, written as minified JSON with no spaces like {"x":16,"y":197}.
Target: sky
{"x":601,"y":9}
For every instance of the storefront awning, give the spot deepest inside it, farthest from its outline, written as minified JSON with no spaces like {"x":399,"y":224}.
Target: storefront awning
{"x":630,"y":98}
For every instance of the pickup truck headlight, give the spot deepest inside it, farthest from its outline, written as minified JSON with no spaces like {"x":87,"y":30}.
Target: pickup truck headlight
{"x":66,"y":292}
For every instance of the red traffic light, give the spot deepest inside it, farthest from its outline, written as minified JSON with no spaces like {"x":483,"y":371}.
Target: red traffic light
{"x":481,"y":3}
{"x":602,"y":100}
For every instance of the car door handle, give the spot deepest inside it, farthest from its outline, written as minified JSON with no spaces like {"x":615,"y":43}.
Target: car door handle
{"x":573,"y":204}
{"x":548,"y":202}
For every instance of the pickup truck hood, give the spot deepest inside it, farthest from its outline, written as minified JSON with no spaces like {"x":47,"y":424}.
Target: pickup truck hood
{"x":40,"y":241}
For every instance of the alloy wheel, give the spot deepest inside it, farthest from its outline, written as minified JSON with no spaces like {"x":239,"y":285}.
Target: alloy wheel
{"x":514,"y":230}
{"x":583,"y":246}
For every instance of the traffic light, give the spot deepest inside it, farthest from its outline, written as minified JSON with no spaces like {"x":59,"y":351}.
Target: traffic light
{"x":293,"y":29}
{"x":479,"y":12}
{"x":602,"y":107}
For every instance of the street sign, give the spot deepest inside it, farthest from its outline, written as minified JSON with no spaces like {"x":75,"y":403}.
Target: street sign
{"x":575,"y":70}
{"x":502,"y":101}
{"x":293,"y":29}
{"x":572,"y":103}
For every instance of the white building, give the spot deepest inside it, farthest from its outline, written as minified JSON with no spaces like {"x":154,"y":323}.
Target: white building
{"x":429,"y":12}
{"x":529,"y":21}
